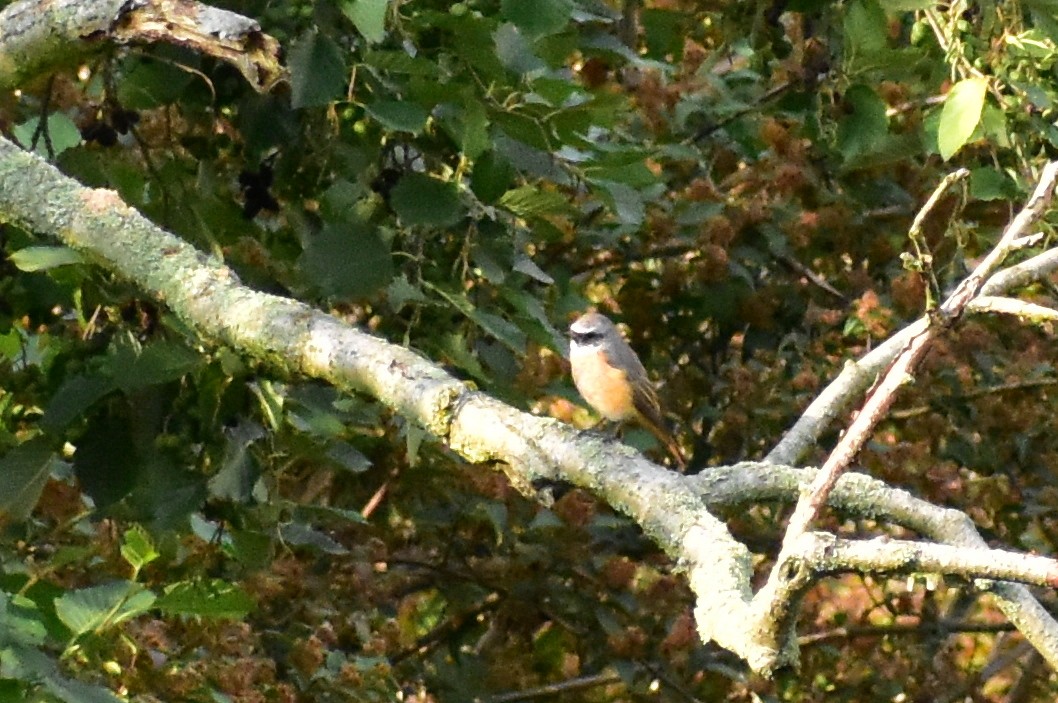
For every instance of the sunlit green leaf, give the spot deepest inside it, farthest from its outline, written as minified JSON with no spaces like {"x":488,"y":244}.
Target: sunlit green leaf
{"x":369,"y":16}
{"x":97,"y":607}
{"x":44,"y":258}
{"x":991,"y":184}
{"x":61,"y":134}
{"x":137,"y":547}
{"x":960,"y":115}
{"x":213,"y":598}
{"x":528,"y":200}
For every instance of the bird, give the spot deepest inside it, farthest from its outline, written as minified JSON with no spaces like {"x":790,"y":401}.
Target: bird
{"x":611,"y":378}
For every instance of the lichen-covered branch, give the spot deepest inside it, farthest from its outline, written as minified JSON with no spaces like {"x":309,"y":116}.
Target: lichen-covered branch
{"x":862,"y":496}
{"x":293,"y":336}
{"x":826,"y":554}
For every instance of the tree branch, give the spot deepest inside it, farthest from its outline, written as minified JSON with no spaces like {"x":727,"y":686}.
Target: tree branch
{"x":858,"y":375}
{"x":903,"y":368}
{"x":827,"y":554}
{"x":37,"y":36}
{"x":863,"y":496}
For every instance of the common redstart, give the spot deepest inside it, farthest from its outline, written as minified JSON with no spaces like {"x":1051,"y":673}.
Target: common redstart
{"x":612,"y":379}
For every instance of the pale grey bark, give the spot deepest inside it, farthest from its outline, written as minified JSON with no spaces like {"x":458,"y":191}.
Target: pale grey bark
{"x":672,"y":509}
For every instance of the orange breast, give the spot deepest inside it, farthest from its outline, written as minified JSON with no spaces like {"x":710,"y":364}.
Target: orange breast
{"x":604,"y":387}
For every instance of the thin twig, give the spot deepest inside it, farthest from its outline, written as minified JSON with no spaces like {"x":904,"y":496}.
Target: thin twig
{"x":578,"y":684}
{"x":908,"y":413}
{"x":444,"y":630}
{"x":915,"y":234}
{"x":917,"y":628}
{"x":813,"y":277}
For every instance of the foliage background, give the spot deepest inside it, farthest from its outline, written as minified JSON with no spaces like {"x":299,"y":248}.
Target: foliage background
{"x":732,"y":180}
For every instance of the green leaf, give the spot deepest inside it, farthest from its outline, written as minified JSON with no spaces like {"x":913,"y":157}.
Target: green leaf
{"x":147,"y":83}
{"x":474,"y":129}
{"x":348,"y":261}
{"x":317,"y":70}
{"x":625,"y":202}
{"x":401,"y":292}
{"x":137,"y":548}
{"x":12,"y":690}
{"x":537,"y":18}
{"x":325,"y":512}
{"x":400,"y":62}
{"x":348,"y":457}
{"x":159,"y":362}
{"x":990,"y":184}
{"x":107,"y":462}
{"x":503,"y":330}
{"x":491,"y":177}
{"x":369,"y":17}
{"x":74,"y":397}
{"x":515,"y":52}
{"x":663,"y":32}
{"x":20,"y":622}
{"x":213,"y":599}
{"x":251,"y":548}
{"x":866,"y":28}
{"x":298,"y":534}
{"x":32,"y":259}
{"x":61,"y":132}
{"x":73,"y":691}
{"x":866,"y":125}
{"x":423,"y":200}
{"x":907,"y":5}
{"x":455,"y":348}
{"x":23,"y":473}
{"x":399,"y":115}
{"x":27,"y":663}
{"x":238,"y":474}
{"x":960,"y":115}
{"x":529,"y":200}
{"x":98,"y":607}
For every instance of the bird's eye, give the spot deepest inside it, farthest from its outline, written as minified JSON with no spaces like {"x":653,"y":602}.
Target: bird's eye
{"x":586,"y":337}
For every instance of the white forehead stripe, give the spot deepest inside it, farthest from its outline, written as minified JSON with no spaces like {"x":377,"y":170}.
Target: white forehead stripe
{"x":581,"y":328}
